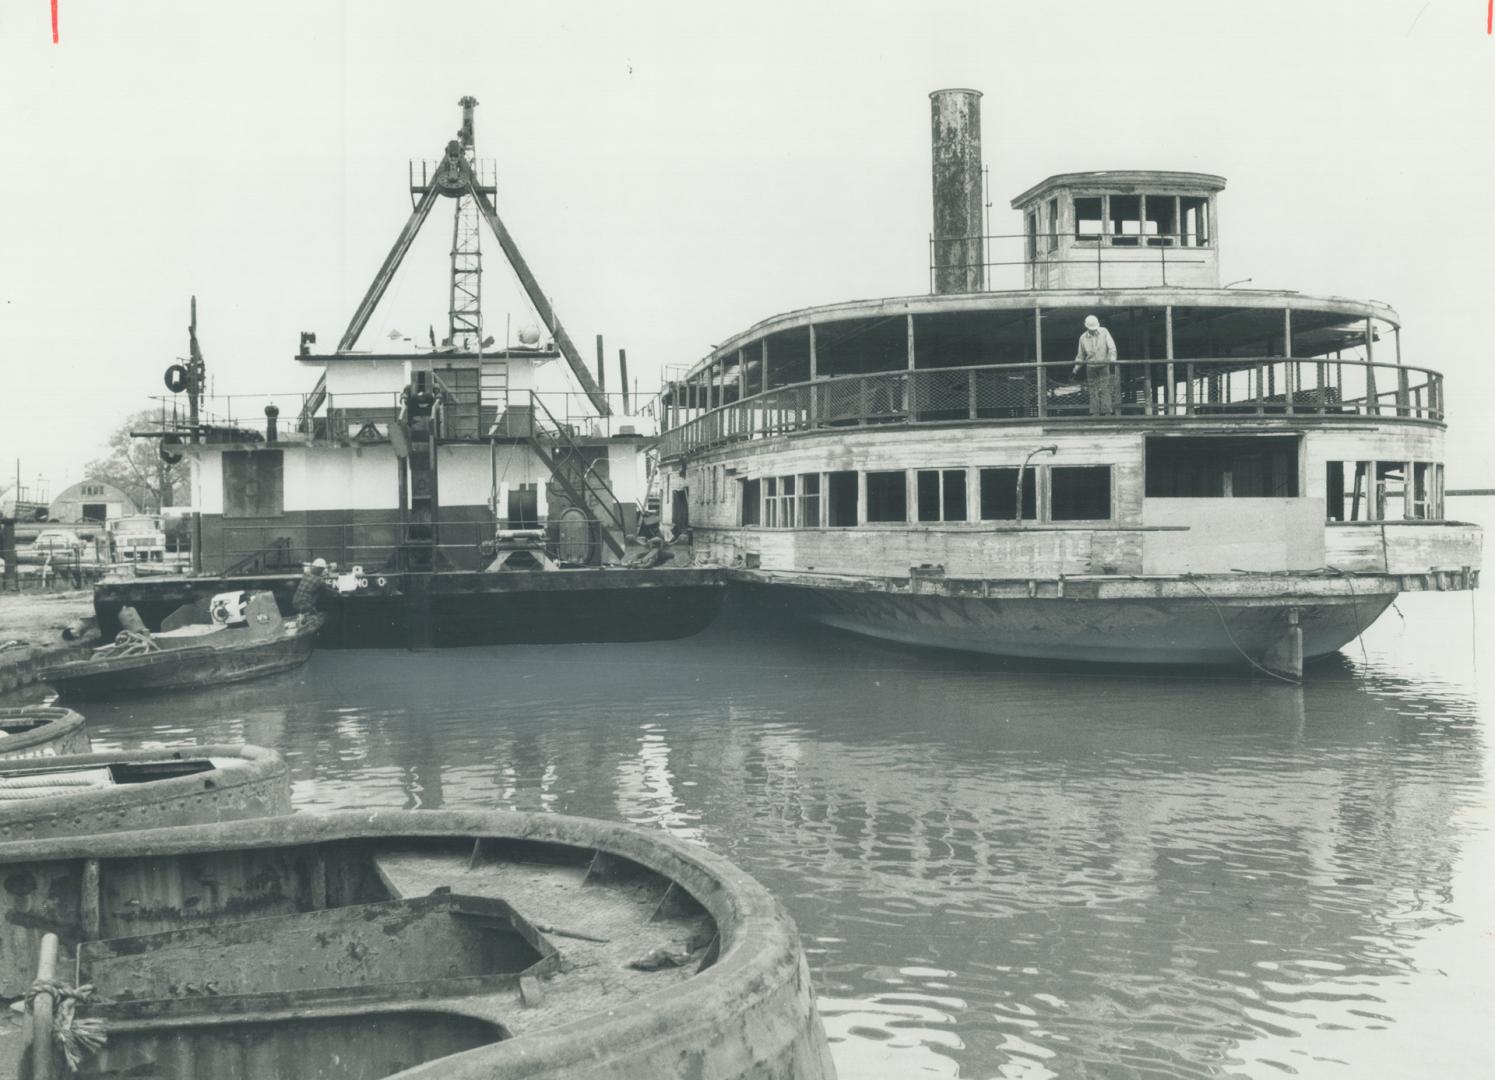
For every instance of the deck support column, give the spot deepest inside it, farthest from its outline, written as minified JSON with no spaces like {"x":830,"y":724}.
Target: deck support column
{"x":1289,"y":374}
{"x":1041,"y":380}
{"x":1372,"y":396}
{"x":910,"y":399}
{"x":814,"y":374}
{"x":1171,"y":394}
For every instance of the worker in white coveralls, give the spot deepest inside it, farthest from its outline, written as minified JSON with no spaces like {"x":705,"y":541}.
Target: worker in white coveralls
{"x":1097,"y":355}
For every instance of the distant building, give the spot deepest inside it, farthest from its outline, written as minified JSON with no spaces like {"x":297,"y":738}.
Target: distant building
{"x":91,"y":500}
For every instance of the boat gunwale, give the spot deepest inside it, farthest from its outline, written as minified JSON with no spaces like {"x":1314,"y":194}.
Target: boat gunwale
{"x":87,"y":668}
{"x":759,"y":955}
{"x":260,"y":764}
{"x":61,"y":723}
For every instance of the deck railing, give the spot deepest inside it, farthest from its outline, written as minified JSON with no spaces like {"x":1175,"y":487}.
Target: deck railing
{"x":1147,"y":390}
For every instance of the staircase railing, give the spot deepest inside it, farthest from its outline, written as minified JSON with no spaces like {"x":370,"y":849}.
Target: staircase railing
{"x":592,"y":485}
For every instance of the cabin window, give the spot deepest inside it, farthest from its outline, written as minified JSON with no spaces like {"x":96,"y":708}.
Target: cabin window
{"x":750,"y":493}
{"x":1194,"y":211}
{"x":1079,"y":493}
{"x":1159,"y":222}
{"x":1206,"y":467}
{"x":999,"y":494}
{"x":1126,"y":220}
{"x":253,"y":483}
{"x":1088,"y":223}
{"x":1032,"y":235}
{"x":1421,"y":497}
{"x":787,"y":504}
{"x":809,"y":501}
{"x":771,"y":502}
{"x":942,"y":494}
{"x":1391,"y":490}
{"x":1053,"y":224}
{"x":1347,"y":490}
{"x":887,"y":496}
{"x":841,"y":499}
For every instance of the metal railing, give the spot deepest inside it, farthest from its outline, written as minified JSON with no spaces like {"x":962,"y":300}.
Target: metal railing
{"x":1143,"y":390}
{"x":467,"y":414}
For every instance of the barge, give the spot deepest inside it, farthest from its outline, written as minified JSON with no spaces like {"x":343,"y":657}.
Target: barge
{"x":409,"y":944}
{"x":30,"y":731}
{"x":1221,"y":476}
{"x":137,"y":789}
{"x":434,"y":474}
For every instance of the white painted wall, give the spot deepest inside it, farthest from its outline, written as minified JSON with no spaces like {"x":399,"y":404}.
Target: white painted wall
{"x":366,"y":377}
{"x":1223,"y":535}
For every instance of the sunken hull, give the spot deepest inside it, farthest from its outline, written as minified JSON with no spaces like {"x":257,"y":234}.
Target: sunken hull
{"x":184,"y":667}
{"x":415,"y":944}
{"x":42,"y":731}
{"x":1088,"y":630}
{"x":140,"y":789}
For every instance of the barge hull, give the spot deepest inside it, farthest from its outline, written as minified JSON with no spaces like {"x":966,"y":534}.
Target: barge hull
{"x":1121,"y":631}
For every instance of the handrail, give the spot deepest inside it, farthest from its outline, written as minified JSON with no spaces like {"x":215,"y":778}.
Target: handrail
{"x":560,"y":434}
{"x":1051,"y":390}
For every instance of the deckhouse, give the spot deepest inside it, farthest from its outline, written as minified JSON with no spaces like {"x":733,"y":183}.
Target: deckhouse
{"x":935,"y":469}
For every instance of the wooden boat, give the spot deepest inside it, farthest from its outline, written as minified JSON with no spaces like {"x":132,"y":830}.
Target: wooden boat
{"x":241,"y":639}
{"x":408,"y":944}
{"x":139,"y":789}
{"x":41,"y":731}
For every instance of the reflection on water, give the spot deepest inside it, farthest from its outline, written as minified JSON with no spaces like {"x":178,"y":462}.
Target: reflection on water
{"x":997,"y":871}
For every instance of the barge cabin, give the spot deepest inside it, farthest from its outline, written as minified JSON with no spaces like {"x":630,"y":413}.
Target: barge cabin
{"x":1253,"y":479}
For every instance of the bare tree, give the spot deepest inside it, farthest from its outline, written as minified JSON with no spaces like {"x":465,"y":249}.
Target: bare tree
{"x":136,"y":467}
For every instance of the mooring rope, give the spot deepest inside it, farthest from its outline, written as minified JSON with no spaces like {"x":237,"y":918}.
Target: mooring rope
{"x":77,"y":1037}
{"x":128,"y":643}
{"x":1226,"y":627}
{"x":1359,"y":634}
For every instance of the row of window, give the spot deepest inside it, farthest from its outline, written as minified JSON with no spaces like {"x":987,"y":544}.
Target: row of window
{"x":844,"y":499}
{"x":1384,"y":490}
{"x":1127,"y":221}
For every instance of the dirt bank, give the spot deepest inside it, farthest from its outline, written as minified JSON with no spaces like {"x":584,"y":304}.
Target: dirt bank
{"x":37,"y":618}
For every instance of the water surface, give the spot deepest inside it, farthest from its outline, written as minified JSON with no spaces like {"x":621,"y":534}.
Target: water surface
{"x":998,"y":870}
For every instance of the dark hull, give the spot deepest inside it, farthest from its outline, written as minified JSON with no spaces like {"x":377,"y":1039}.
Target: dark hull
{"x":175,"y":669}
{"x":465,"y":608}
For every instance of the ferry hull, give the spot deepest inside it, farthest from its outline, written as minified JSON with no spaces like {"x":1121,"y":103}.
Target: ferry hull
{"x":1116,"y":631}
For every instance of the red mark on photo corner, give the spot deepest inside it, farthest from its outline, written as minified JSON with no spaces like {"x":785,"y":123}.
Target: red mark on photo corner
{"x":54,"y":21}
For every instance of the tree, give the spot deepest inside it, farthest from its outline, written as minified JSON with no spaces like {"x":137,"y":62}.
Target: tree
{"x":135,"y":466}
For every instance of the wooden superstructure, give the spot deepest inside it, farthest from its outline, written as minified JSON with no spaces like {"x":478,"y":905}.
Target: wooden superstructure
{"x":886,"y":462}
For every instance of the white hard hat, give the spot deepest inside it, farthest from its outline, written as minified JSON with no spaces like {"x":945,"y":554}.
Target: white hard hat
{"x":320,"y":564}
{"x":1092,"y":323}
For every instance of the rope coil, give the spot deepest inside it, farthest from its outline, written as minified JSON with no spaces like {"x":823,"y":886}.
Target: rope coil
{"x":77,"y":1037}
{"x":128,"y":643}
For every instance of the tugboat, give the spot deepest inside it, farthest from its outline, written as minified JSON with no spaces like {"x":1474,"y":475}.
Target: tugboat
{"x":1244,"y":476}
{"x":243,"y":637}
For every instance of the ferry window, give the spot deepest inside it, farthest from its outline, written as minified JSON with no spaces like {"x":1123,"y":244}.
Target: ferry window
{"x":1347,"y":490}
{"x":1053,"y":224}
{"x":809,"y":500}
{"x":1032,"y":235}
{"x":1126,"y":220}
{"x":942,"y":494}
{"x":1391,"y":490}
{"x":1088,"y":224}
{"x":771,"y":502}
{"x":253,"y":483}
{"x":1437,"y":501}
{"x":999,"y":494}
{"x":1079,"y":493}
{"x":1158,"y":223}
{"x":1213,"y":467}
{"x":1195,"y":224}
{"x":841,"y":498}
{"x":750,"y":492}
{"x":786,"y":502}
{"x":1421,"y":494}
{"x":887,"y":496}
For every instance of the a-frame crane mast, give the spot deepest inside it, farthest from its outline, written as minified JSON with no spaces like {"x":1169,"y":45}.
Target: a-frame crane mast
{"x":456,"y":178}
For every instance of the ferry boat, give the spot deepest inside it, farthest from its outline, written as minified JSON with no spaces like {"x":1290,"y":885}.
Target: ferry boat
{"x":1252,"y":480}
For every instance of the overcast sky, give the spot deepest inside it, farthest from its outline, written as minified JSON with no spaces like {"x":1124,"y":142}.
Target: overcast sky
{"x":676,"y":172}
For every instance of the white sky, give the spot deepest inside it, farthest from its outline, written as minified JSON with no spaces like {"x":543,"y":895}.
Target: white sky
{"x":676,"y":172}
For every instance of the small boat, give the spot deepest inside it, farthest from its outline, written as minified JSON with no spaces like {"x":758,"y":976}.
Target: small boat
{"x":139,"y":789}
{"x":42,"y":731}
{"x":240,"y":636}
{"x":403,"y":944}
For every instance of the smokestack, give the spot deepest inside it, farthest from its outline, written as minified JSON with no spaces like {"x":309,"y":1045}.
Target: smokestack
{"x":955,"y":137}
